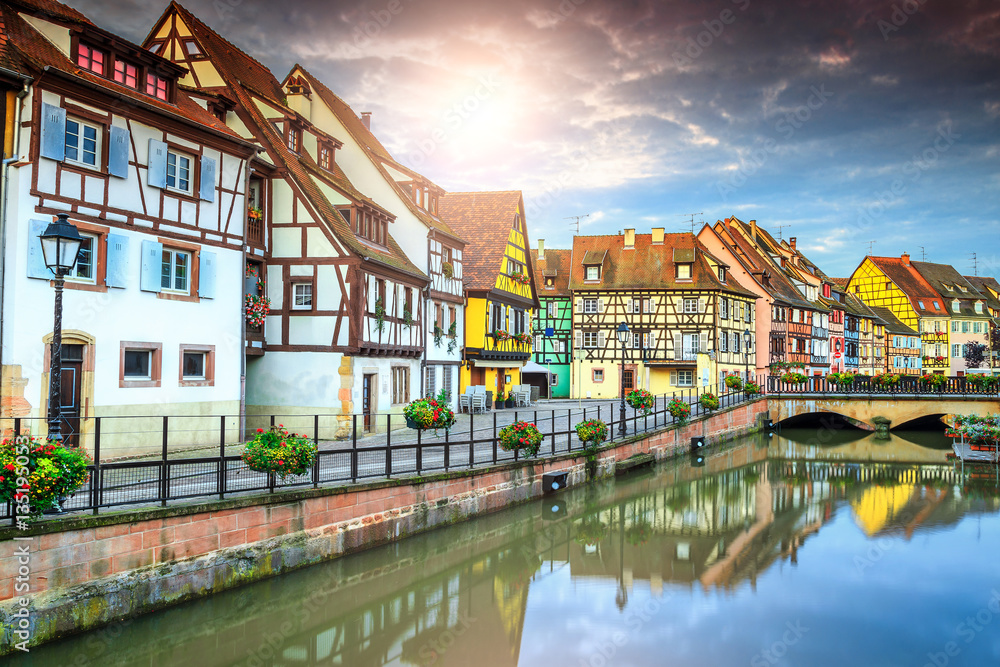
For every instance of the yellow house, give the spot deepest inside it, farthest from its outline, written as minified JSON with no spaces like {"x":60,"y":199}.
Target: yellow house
{"x":499,"y":286}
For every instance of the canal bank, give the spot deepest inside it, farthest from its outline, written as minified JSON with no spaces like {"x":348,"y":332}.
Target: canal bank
{"x":85,"y":572}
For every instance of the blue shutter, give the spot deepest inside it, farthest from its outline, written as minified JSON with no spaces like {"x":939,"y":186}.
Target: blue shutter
{"x":152,"y":264}
{"x":53,"y":138}
{"x":156,"y":174}
{"x":118,"y":145}
{"x":207,"y":189}
{"x":36,"y":260}
{"x":206,"y":275}
{"x":117,"y":272}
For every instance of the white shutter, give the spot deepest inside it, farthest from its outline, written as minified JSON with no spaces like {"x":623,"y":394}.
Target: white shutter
{"x":601,"y":339}
{"x":652,"y":340}
{"x":579,"y":307}
{"x":673,"y":378}
{"x":704,"y":343}
{"x":489,"y":315}
{"x":538,"y":343}
{"x":651,"y":306}
{"x":679,"y":301}
{"x":701,"y":305}
{"x":577,"y":339}
{"x":628,"y":305}
{"x":678,"y":345}
{"x":600,"y":305}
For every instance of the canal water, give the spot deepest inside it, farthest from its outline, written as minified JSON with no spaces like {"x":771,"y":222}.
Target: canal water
{"x":808,"y":547}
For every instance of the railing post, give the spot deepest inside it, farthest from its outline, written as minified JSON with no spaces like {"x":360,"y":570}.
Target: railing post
{"x":95,"y":482}
{"x":472,"y":437}
{"x":447,"y":449}
{"x":164,"y":482}
{"x":17,"y":426}
{"x":354,"y":449}
{"x":222,"y":457}
{"x":420,"y":449}
{"x":494,"y":436}
{"x":315,"y":473}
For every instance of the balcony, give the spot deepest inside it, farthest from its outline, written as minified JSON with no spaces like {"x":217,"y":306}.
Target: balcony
{"x":255,"y":344}
{"x":935,"y":362}
{"x":255,"y":231}
{"x":495,"y":347}
{"x":819,"y":359}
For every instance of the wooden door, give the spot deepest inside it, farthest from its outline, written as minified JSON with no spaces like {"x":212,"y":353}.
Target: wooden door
{"x":629,"y":379}
{"x":69,"y":404}
{"x":367,"y":396}
{"x":478,"y":376}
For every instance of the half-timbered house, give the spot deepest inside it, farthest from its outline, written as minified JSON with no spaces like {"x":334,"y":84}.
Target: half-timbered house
{"x":500,"y":290}
{"x":553,"y":326}
{"x":990,"y":289}
{"x":686,"y":316}
{"x":99,"y":130}
{"x":344,"y":333}
{"x":902,"y":345}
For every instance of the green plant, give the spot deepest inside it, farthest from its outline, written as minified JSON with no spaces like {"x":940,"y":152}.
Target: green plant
{"x":709,"y":401}
{"x":280,"y":452}
{"x":522,"y":338}
{"x":845,"y":378}
{"x":933,"y":380}
{"x":34,"y":474}
{"x":886,"y":380}
{"x":448,"y":269}
{"x":734,"y":382}
{"x":590,"y":531}
{"x":681,"y":410}
{"x":453,"y":337}
{"x":430,"y":413}
{"x":520,"y":435}
{"x":257,"y":309}
{"x":752,"y":388}
{"x":794,"y":378}
{"x":438,"y":335}
{"x":776,"y":366}
{"x":592,"y":432}
{"x":407,"y":316}
{"x":640,"y":399}
{"x":984,"y":382}
{"x":639,"y":533}
{"x":500,"y":335}
{"x":380,"y":314}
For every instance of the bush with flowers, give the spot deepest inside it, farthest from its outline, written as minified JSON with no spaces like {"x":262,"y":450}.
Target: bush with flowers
{"x":751,"y":388}
{"x":50,"y":470}
{"x":280,"y":452}
{"x":681,"y":410}
{"x":846,"y":378}
{"x":709,"y":401}
{"x":592,"y":432}
{"x":257,"y":309}
{"x":886,"y":380}
{"x":933,"y":380}
{"x":640,"y":399}
{"x":734,"y":382}
{"x":792,"y":377}
{"x":982,"y":382}
{"x":520,"y":435}
{"x":430,"y":412}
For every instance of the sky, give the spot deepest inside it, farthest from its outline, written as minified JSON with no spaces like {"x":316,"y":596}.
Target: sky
{"x":839,"y":123}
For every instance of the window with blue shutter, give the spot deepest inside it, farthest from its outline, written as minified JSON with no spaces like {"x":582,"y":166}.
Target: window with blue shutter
{"x":152,"y":263}
{"x":36,"y":261}
{"x":207,"y":187}
{"x":206,"y":275}
{"x":118,"y":151}
{"x":156,"y":174}
{"x":53,"y":137}
{"x":117,"y":266}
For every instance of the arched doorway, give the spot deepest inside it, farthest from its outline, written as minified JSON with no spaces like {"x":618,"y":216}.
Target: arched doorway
{"x":77,"y":400}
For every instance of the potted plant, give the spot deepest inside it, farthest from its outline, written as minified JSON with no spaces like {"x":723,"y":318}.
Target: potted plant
{"x":255,"y":212}
{"x":709,"y":401}
{"x":52,"y":472}
{"x":448,"y":269}
{"x":452,"y":337}
{"x":257,"y":308}
{"x":438,"y":335}
{"x":679,"y":409}
{"x":508,"y":401}
{"x":886,"y":380}
{"x":279,"y":452}
{"x":751,"y":388}
{"x":379,"y":314}
{"x":520,"y":436}
{"x":501,"y":399}
{"x":640,"y":399}
{"x":933,"y":381}
{"x":792,"y":377}
{"x":500,"y":335}
{"x":734,"y":382}
{"x":429,"y":412}
{"x":592,"y":432}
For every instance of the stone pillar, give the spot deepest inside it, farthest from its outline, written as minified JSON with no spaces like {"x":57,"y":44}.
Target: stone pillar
{"x":881,"y":428}
{"x":346,"y":372}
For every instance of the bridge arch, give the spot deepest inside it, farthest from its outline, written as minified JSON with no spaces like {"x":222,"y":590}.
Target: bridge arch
{"x":866,"y":409}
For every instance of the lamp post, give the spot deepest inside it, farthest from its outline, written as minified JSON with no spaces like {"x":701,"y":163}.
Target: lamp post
{"x":746,"y":358}
{"x":60,"y":247}
{"x":622,"y":333}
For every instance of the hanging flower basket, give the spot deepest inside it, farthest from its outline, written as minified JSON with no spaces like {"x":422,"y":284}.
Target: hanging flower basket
{"x":933,"y":381}
{"x":709,"y":401}
{"x":280,"y":452}
{"x":590,"y":532}
{"x":428,"y":413}
{"x":51,"y":471}
{"x":592,"y":432}
{"x":751,"y":388}
{"x":734,"y":382}
{"x":681,"y":410}
{"x":520,"y":435}
{"x":257,"y":309}
{"x":640,"y":399}
{"x":639,"y":533}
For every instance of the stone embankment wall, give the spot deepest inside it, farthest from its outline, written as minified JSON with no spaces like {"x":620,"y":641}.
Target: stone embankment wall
{"x":84,"y":572}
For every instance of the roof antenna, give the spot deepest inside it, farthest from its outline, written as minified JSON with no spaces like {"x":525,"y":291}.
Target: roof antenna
{"x":923,"y":254}
{"x":780,"y":227}
{"x":577,"y":218}
{"x":975,"y":265}
{"x":691,"y":215}
{"x":870,"y":244}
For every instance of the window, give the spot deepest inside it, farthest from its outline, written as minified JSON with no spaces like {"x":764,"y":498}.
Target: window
{"x":197,"y":366}
{"x":86,"y":262}
{"x":977,"y":327}
{"x":590,"y":339}
{"x":325,"y":157}
{"x":178,"y":172}
{"x":191,"y":47}
{"x":593,"y":273}
{"x":590,"y":306}
{"x":401,"y":384}
{"x":293,"y":139}
{"x":156,"y":86}
{"x":174,"y":268}
{"x":690,"y":305}
{"x":724,"y":342}
{"x":514,"y":267}
{"x":954,"y":326}
{"x":90,"y":58}
{"x":736,"y":342}
{"x":722,"y":274}
{"x":598,"y":375}
{"x":979,"y":307}
{"x":193,"y":365}
{"x":683,"y":272}
{"x":936,"y":305}
{"x":956,"y":350}
{"x":724,"y":308}
{"x":691,"y":346}
{"x":685,"y":378}
{"x":921,"y":304}
{"x":955,"y":306}
{"x":302,"y":296}
{"x":965,"y":327}
{"x":747,"y":313}
{"x":139,"y":364}
{"x":127,"y":74}
{"x":83,"y":144}
{"x":550,"y":308}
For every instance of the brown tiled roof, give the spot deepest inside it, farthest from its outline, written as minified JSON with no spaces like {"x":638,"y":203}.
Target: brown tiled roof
{"x":556,"y":264}
{"x":373,"y":148}
{"x":781,"y":288}
{"x":949,"y":283}
{"x":893,"y":324}
{"x":34,"y":52}
{"x":985,"y":284}
{"x":646,"y":266}
{"x":52,"y":9}
{"x":594,"y":257}
{"x":916,"y":288}
{"x":843,"y":282}
{"x":484,"y":219}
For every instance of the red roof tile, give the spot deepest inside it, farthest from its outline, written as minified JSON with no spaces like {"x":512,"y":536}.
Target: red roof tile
{"x":555,"y":264}
{"x":484,"y":219}
{"x":909,"y":280}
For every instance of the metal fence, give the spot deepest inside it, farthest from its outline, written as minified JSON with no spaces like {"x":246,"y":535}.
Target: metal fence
{"x":907,"y":385}
{"x":384,"y":450}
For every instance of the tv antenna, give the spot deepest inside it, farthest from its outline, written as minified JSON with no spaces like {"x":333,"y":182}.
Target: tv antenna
{"x":923,"y":254}
{"x":577,"y":218}
{"x":870,"y":244}
{"x":780,"y":227}
{"x":690,"y":215}
{"x":975,"y":265}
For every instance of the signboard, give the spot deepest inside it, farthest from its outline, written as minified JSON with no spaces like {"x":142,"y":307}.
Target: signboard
{"x":549,"y":331}
{"x":836,"y":355}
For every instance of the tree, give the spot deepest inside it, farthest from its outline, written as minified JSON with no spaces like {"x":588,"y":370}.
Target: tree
{"x":975,"y":355}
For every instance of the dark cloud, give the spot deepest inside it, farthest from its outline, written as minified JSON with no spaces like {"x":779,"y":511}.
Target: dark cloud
{"x":640,"y":111}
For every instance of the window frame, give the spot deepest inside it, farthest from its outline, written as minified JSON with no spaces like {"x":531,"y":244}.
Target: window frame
{"x":95,"y":265}
{"x":587,"y":300}
{"x":595,"y":340}
{"x":689,"y":269}
{"x":155,"y":351}
{"x":596,"y":269}
{"x":90,"y":59}
{"x":153,"y":80}
{"x":174,"y":252}
{"x":597,"y":375}
{"x":686,"y":302}
{"x":126,"y":65}
{"x":208,"y":379}
{"x":690,"y":378}
{"x":192,"y":171}
{"x":401,"y":392}
{"x":293,"y":297}
{"x":99,"y":128}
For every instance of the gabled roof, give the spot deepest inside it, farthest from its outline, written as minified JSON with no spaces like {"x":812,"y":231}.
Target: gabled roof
{"x":988,"y":287}
{"x":908,"y":279}
{"x":484,"y":219}
{"x":781,"y":287}
{"x":555,"y":264}
{"x":646,"y":265}
{"x":373,"y":148}
{"x":893,"y":324}
{"x":949,"y":283}
{"x":245,"y":77}
{"x":842,"y":282}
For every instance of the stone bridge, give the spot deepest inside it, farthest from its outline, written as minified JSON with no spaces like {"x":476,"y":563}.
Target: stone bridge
{"x":880,"y":411}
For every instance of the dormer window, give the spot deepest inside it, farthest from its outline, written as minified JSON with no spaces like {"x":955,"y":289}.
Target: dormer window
{"x":293,"y":138}
{"x":156,"y":86}
{"x":955,"y":305}
{"x":91,"y":59}
{"x":126,"y":74}
{"x":682,"y":271}
{"x":722,"y":274}
{"x":325,"y":157}
{"x":593,"y":273}
{"x":979,"y":307}
{"x":937,"y":306}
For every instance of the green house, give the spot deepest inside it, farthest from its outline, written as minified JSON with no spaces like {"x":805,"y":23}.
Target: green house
{"x":553,"y":322}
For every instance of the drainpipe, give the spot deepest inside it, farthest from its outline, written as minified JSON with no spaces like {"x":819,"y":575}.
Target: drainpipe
{"x":243,"y":317}
{"x":3,"y":211}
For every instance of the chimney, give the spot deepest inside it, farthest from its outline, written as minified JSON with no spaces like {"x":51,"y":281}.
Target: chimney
{"x":658,"y":235}
{"x":791,"y":242}
{"x":630,"y":238}
{"x":366,"y":119}
{"x":753,"y":230}
{"x":541,"y":249}
{"x":906,"y":259}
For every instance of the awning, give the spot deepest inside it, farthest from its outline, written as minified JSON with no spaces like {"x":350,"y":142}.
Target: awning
{"x":486,"y":363}
{"x":532,"y":367}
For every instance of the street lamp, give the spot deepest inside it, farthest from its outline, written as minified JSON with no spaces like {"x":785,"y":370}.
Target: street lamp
{"x":746,"y":347}
{"x":60,"y":247}
{"x":622,"y":333}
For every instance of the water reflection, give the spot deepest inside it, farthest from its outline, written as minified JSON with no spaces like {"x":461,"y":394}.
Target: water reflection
{"x":708,"y":562}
